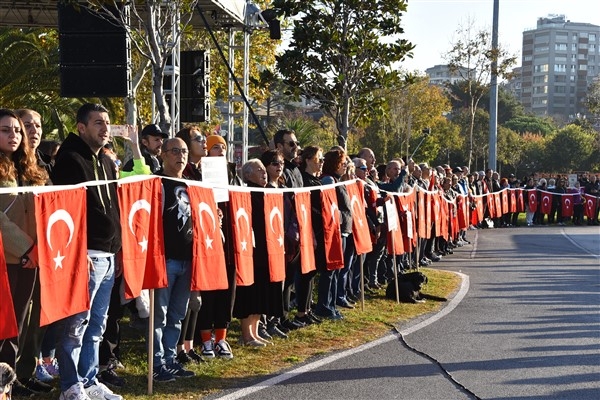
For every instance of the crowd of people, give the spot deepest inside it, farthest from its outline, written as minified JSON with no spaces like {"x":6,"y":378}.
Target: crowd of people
{"x":191,"y":326}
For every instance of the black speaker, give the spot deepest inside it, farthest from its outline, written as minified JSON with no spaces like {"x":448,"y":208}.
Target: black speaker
{"x":93,"y":54}
{"x":93,"y":81}
{"x":194,"y":86}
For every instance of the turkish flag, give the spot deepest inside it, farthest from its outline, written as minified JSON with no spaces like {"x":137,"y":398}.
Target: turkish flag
{"x":241,"y":218}
{"x":432,"y":182}
{"x":567,"y":205}
{"x":307,"y":244}
{"x":274,"y":233}
{"x":406,"y":205}
{"x":461,"y":205}
{"x":360,"y":228}
{"x":444,"y":224}
{"x":512,"y":204}
{"x":428,"y":219}
{"x":208,"y":259}
{"x":520,"y":201}
{"x":421,"y":215}
{"x":591,"y":203}
{"x":334,"y":254}
{"x":8,"y":321}
{"x":497,"y":204}
{"x":478,"y":208}
{"x":395,"y":243}
{"x":453,"y":219}
{"x":436,"y":200}
{"x":505,"y":206}
{"x":489,"y":197}
{"x":62,"y":251}
{"x":532,"y":200}
{"x":546,"y":203}
{"x":144,"y":264}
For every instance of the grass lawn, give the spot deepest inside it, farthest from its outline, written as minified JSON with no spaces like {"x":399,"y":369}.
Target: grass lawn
{"x":358,"y":327}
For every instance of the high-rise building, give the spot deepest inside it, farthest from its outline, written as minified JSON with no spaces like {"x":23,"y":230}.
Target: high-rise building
{"x":560,"y":60}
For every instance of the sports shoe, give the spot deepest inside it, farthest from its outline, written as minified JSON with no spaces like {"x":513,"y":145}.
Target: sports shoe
{"x":178,"y":371}
{"x":184,"y":358}
{"x":42,"y":374}
{"x":110,"y":378}
{"x":161,"y":374}
{"x":274,"y":331}
{"x":99,"y":391}
{"x":52,"y":368}
{"x":75,"y":392}
{"x":223,"y":350}
{"x":262,"y":332}
{"x":195,"y":356}
{"x":208,"y":349}
{"x":37,"y":386}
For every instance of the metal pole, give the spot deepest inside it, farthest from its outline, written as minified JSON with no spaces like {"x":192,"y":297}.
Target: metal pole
{"x":493,"y":136}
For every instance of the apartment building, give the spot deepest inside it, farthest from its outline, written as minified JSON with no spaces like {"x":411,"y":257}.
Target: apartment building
{"x":560,"y":59}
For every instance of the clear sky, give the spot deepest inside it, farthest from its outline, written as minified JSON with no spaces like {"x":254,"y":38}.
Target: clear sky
{"x":432,"y":24}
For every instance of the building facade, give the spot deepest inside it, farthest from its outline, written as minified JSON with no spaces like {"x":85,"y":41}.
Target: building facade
{"x":560,"y":59}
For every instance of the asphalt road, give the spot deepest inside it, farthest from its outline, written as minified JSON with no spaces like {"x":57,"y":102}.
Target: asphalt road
{"x":525,"y":325}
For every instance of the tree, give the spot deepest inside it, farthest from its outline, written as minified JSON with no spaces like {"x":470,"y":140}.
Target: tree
{"x":592,"y":100}
{"x":531,"y":124}
{"x":472,"y":57}
{"x":569,"y":149}
{"x":510,"y":148}
{"x":341,"y":51}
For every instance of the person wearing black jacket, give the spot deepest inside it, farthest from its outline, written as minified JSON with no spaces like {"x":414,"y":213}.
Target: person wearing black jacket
{"x":80,"y":159}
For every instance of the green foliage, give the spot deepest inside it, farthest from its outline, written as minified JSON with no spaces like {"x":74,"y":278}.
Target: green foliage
{"x":570,"y":149}
{"x":531,"y":124}
{"x":341,"y":51}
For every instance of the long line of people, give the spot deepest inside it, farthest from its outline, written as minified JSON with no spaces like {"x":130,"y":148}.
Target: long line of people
{"x":191,"y":327}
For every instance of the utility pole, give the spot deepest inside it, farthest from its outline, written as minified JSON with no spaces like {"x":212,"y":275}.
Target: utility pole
{"x":493,"y":136}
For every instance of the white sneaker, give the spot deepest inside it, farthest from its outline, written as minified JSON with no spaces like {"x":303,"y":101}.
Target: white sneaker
{"x":99,"y":391}
{"x":75,"y":392}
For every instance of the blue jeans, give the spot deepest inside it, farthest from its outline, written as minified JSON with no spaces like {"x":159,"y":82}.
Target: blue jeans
{"x":79,"y":335}
{"x":170,"y":306}
{"x":344,"y":274}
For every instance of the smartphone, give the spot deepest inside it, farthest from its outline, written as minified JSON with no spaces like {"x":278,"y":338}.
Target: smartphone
{"x":119,"y":130}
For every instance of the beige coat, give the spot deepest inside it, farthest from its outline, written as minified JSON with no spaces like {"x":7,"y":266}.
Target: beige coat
{"x":17,"y":223}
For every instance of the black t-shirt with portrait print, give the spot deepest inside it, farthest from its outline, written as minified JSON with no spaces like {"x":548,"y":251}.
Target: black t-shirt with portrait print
{"x":177,"y":221}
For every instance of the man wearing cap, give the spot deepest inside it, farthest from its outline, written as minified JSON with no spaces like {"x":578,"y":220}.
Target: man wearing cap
{"x":151,"y":139}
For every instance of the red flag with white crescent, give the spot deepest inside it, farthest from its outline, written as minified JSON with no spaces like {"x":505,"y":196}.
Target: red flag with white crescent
{"x":406,"y":205}
{"x":546,"y":203}
{"x":208,"y":257}
{"x":461,"y":209}
{"x":142,"y":236}
{"x":274,"y":233}
{"x":437,"y":212}
{"x":532,"y":199}
{"x":479,"y":208}
{"x":307,"y":244}
{"x":567,"y":205}
{"x":8,"y":321}
{"x":497,"y":204}
{"x":591,"y":203}
{"x":505,"y":205}
{"x":334,"y":254}
{"x":395,"y":243}
{"x":491,"y":202}
{"x":241,"y":218}
{"x":62,"y":250}
{"x":360,"y":227}
{"x":512,"y":204}
{"x":421,"y":215}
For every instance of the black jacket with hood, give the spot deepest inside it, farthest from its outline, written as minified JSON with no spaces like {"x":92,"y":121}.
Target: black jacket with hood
{"x":75,"y":164}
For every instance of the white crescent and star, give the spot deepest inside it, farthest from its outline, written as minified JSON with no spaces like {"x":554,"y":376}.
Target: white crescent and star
{"x":206,"y":208}
{"x":241,"y":212}
{"x":304,"y":213}
{"x":568,"y":203}
{"x":352,"y":202}
{"x":545,"y":200}
{"x":275,"y":212}
{"x":141,"y":204}
{"x":59,"y":215}
{"x":334,"y":207}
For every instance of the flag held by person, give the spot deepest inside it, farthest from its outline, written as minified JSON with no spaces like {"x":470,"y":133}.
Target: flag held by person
{"x":274,"y":233}
{"x":8,"y":321}
{"x":241,"y":218}
{"x":62,"y":248}
{"x":334,"y":255}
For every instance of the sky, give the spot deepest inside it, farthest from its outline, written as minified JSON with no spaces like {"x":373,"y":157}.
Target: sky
{"x":432,"y":24}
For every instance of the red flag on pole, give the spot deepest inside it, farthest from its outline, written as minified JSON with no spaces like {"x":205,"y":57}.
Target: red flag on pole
{"x":546,"y":203}
{"x":512,"y":204}
{"x":497,"y":204}
{"x":142,"y":236}
{"x":307,"y":244}
{"x":241,"y":218}
{"x":567,"y":205}
{"x":395,"y":243}
{"x":334,"y":255}
{"x":274,"y":233}
{"x":62,"y":249}
{"x":8,"y":321}
{"x":532,"y":200}
{"x":360,"y":227}
{"x":208,"y":260}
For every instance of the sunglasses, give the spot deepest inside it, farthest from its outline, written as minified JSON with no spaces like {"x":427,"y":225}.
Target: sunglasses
{"x":277,"y":163}
{"x":293,"y":144}
{"x":200,"y":139}
{"x":176,"y":151}
{"x":363,"y":168}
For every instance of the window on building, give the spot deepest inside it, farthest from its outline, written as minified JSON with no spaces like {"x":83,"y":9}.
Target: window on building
{"x":592,"y":47}
{"x":582,"y":46}
{"x":540,"y":89}
{"x":540,"y":79}
{"x":583,"y":67}
{"x":592,"y":37}
{"x":560,"y":68}
{"x":559,"y":78}
{"x":573,"y":58}
{"x":560,"y":89}
{"x":574,"y":37}
{"x":572,"y":78}
{"x":573,"y":67}
{"x":560,"y":46}
{"x":540,"y":68}
{"x":527,"y":58}
{"x":542,"y":49}
{"x":573,"y":46}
